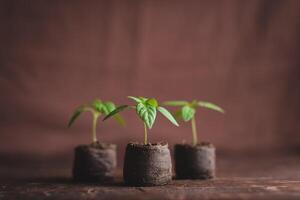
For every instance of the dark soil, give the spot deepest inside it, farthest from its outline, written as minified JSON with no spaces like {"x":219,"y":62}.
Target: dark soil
{"x":147,"y":165}
{"x":195,"y":161}
{"x":95,"y":162}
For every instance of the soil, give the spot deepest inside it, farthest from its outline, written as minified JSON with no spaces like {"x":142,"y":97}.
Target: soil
{"x":95,"y":162}
{"x":195,"y":161}
{"x":147,"y":165}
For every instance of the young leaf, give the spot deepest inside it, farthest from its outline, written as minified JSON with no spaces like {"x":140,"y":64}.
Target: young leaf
{"x":143,"y":99}
{"x":115,"y":111}
{"x":97,"y":105}
{"x":147,"y":113}
{"x":109,"y":107}
{"x":76,"y":114}
{"x":167,"y":114}
{"x":137,"y":100}
{"x":187,"y":113}
{"x":211,"y":106}
{"x":175,"y":103}
{"x":117,"y":117}
{"x":152,"y":102}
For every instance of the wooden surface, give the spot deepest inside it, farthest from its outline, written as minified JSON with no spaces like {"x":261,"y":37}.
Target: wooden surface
{"x":221,"y":188}
{"x":255,"y":177}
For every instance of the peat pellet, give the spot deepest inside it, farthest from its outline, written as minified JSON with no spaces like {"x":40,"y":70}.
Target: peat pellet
{"x":147,"y":165}
{"x":95,"y":162}
{"x":195,"y":161}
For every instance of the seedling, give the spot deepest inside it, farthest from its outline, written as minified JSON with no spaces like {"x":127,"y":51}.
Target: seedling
{"x":146,"y":109}
{"x":187,"y":112}
{"x":97,"y":108}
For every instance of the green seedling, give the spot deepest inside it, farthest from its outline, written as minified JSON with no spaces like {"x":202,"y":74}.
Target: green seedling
{"x":97,"y":108}
{"x":187,"y":112}
{"x":146,"y":109}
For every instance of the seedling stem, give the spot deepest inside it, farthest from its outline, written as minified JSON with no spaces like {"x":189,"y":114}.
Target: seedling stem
{"x":95,"y":119}
{"x":146,"y":134}
{"x":194,"y":130}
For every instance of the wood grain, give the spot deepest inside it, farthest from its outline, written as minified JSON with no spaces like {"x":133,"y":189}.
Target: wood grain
{"x":241,"y":177}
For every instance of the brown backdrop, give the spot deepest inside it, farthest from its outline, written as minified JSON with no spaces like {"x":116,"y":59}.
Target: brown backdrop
{"x":55,"y":55}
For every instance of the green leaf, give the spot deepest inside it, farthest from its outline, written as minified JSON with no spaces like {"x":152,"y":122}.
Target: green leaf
{"x":175,"y":103}
{"x":143,"y":99}
{"x":115,"y":111}
{"x":117,"y":117}
{"x":211,"y":106}
{"x":81,"y":109}
{"x":147,"y":113}
{"x":108,"y":107}
{"x":75,"y":115}
{"x":167,"y":114}
{"x":187,"y":113}
{"x":97,"y":105}
{"x":137,"y":100}
{"x":152,"y":102}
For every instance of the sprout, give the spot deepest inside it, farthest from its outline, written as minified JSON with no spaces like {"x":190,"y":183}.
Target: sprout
{"x":188,"y":110}
{"x":97,"y":108}
{"x":146,"y":109}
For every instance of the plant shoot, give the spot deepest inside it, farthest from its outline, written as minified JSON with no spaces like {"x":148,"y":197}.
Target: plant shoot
{"x":146,"y":109}
{"x":96,"y":108}
{"x":187,"y":112}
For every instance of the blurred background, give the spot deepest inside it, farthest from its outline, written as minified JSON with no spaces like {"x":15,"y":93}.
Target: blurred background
{"x":56,"y":55}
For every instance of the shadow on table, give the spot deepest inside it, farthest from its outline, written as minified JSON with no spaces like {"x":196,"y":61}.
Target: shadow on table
{"x":70,"y":181}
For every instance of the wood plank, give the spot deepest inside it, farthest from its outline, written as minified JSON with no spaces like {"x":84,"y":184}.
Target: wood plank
{"x":240,"y":177}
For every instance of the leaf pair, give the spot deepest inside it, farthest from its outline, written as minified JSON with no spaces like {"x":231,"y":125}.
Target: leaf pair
{"x":188,"y":109}
{"x":97,"y":107}
{"x":146,"y":109}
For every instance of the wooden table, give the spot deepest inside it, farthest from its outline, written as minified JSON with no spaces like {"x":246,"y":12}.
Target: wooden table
{"x":247,"y":177}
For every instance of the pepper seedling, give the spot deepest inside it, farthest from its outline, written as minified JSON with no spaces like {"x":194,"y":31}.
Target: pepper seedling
{"x":97,"y":108}
{"x":146,"y":109}
{"x":187,"y":112}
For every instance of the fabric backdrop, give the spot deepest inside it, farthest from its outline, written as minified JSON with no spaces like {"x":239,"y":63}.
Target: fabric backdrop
{"x":56,"y":55}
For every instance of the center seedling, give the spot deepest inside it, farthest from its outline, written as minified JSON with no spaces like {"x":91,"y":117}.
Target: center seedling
{"x":146,"y":109}
{"x":146,"y":164}
{"x":187,"y":112}
{"x":97,"y":108}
